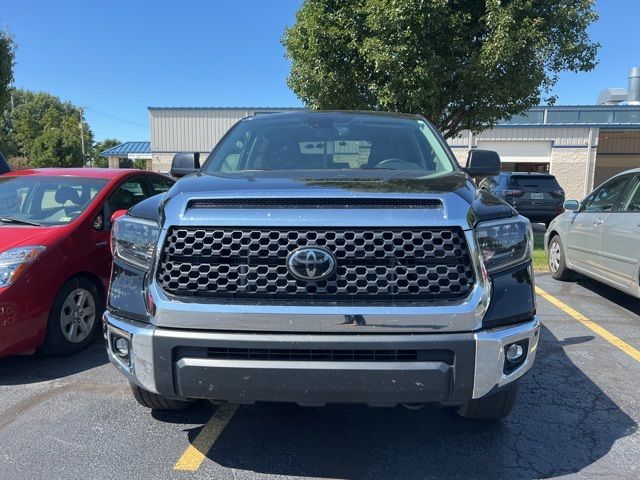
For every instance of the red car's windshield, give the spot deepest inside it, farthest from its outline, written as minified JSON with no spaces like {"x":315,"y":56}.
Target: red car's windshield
{"x":45,"y":200}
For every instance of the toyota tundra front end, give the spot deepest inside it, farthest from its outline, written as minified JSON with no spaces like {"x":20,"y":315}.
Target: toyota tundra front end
{"x":322,"y":258}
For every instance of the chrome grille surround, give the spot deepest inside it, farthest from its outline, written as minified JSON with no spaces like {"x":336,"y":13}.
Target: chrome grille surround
{"x":399,"y":264}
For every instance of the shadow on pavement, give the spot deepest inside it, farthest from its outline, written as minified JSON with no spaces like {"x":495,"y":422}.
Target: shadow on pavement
{"x":38,"y":368}
{"x":562,"y":423}
{"x":624,"y":300}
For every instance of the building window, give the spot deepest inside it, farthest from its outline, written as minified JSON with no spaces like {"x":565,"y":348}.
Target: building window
{"x":559,"y":116}
{"x":599,"y":116}
{"x":627,"y":116}
{"x":533,"y":116}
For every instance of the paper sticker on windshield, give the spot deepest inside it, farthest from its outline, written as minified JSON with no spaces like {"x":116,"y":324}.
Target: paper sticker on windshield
{"x":65,"y":219}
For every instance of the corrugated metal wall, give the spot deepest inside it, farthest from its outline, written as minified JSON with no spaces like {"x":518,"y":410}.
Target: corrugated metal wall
{"x":561,"y":137}
{"x":193,"y":129}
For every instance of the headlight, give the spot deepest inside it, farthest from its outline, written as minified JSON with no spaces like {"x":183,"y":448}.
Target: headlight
{"x":134,"y":240}
{"x":505,"y":243}
{"x":14,"y":262}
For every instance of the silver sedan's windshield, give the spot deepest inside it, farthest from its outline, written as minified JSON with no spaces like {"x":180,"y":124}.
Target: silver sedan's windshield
{"x":331,"y":142}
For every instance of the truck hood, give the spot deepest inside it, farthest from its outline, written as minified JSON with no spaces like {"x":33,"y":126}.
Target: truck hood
{"x":461,"y":202}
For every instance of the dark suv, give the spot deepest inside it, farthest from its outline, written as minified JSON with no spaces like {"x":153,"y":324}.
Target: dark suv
{"x":537,"y":196}
{"x":4,"y":166}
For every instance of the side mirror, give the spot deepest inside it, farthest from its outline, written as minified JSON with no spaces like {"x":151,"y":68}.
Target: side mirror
{"x":117,"y":214}
{"x":483,"y":163}
{"x":573,"y":205}
{"x":185,"y":164}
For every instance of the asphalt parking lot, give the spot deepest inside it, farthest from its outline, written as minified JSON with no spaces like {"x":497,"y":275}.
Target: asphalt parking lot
{"x":577,"y":416}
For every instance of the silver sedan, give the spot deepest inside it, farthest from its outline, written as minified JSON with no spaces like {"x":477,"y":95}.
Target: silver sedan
{"x":600,"y":236}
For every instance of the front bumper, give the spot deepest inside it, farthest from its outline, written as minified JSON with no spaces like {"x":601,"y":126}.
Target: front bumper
{"x":450,"y":368}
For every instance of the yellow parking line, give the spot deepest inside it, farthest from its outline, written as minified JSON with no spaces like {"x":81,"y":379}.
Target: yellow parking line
{"x":195,"y":453}
{"x":608,"y":336}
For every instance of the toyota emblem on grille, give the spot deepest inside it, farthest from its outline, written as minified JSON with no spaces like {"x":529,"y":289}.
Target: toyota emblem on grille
{"x":311,"y":263}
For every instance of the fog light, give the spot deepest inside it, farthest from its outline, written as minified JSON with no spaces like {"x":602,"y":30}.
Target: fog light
{"x":514,"y":353}
{"x":121,"y":347}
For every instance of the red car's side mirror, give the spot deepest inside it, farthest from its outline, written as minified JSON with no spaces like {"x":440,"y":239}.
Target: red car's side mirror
{"x":117,"y":214}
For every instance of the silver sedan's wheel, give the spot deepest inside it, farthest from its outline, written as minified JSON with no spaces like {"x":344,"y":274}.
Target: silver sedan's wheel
{"x":78,"y":315}
{"x":555,"y":256}
{"x":557,"y":260}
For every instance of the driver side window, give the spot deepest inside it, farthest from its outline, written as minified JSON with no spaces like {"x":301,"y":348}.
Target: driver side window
{"x":604,"y":199}
{"x":631,"y":202}
{"x":127,"y":195}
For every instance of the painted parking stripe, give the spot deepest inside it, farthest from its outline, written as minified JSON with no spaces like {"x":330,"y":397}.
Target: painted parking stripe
{"x":195,"y":453}
{"x":594,"y":327}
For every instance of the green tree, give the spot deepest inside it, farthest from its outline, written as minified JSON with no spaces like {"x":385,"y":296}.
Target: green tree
{"x":7,"y":60}
{"x":36,"y":118}
{"x":56,"y":147}
{"x":99,"y":147}
{"x":464,"y":64}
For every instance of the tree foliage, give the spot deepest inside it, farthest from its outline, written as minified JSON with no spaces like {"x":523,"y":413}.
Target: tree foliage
{"x":44,"y":129}
{"x":464,"y":64}
{"x":99,"y":147}
{"x":7,"y":60}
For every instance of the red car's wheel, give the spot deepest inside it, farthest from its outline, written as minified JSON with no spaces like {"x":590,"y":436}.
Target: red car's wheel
{"x":74,"y":318}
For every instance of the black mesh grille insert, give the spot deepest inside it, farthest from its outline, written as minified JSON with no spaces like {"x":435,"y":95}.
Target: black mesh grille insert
{"x":316,"y":203}
{"x":329,"y":355}
{"x":398,"y":264}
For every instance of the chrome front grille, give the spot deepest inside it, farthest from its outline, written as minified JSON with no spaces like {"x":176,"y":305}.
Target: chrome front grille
{"x":372,"y":264}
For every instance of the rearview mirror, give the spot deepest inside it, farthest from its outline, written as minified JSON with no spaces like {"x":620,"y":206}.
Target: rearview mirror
{"x":184,"y":164}
{"x":571,"y":205}
{"x":482,"y":163}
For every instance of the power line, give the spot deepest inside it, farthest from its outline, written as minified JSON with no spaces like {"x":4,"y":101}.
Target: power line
{"x":108,"y":115}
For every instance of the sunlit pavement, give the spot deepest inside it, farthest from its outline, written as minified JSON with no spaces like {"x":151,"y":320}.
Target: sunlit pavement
{"x":577,"y":415}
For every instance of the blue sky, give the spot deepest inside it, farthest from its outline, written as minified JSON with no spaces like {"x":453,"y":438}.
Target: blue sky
{"x":117,"y":58}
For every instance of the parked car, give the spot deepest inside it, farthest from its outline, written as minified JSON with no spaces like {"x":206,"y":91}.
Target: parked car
{"x":55,"y":258}
{"x":325,"y":258}
{"x":537,"y":196}
{"x":4,"y":165}
{"x":600,"y":236}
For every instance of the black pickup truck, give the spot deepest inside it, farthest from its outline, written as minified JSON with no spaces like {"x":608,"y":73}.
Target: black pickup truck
{"x":326,"y":257}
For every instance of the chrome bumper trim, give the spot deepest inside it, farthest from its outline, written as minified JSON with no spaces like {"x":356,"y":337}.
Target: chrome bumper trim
{"x":141,"y":364}
{"x":489,"y":347}
{"x":490,"y":355}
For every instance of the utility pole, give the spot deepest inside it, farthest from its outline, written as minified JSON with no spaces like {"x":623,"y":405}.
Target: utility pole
{"x":82,"y":136}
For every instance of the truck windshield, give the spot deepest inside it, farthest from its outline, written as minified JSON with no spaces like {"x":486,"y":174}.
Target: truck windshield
{"x":46,"y":201}
{"x":330,"y":142}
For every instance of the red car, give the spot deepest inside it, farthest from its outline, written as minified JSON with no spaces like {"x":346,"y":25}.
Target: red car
{"x":55,"y":257}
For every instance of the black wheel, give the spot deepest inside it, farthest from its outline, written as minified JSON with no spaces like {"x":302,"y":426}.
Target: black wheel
{"x":557,"y":264}
{"x":155,"y":401}
{"x":74,"y":318}
{"x":493,"y":407}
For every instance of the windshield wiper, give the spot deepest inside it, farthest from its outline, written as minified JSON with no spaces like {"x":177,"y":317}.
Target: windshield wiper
{"x":19,"y":222}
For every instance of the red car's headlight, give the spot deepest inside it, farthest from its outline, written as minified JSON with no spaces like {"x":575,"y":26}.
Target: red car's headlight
{"x":15,"y":261}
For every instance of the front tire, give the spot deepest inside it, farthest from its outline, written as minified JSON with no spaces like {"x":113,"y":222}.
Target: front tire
{"x":74,"y":318}
{"x":493,"y":407}
{"x":157,"y":402}
{"x":557,"y":260}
